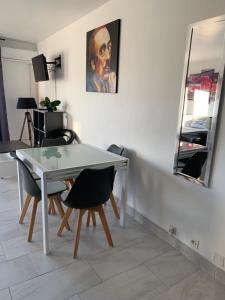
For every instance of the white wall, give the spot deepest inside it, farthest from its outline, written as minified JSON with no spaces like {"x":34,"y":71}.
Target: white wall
{"x":143,"y":115}
{"x":18,"y":82}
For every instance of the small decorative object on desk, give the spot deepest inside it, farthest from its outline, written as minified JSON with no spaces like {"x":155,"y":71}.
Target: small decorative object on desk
{"x":50,"y":105}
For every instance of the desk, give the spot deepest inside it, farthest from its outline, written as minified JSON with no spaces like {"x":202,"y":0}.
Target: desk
{"x":7,"y":163}
{"x":59,"y":163}
{"x":6,"y":147}
{"x":187,"y":150}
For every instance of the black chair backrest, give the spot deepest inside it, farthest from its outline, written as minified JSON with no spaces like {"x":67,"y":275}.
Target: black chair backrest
{"x":68,"y":135}
{"x":115,"y":149}
{"x":91,"y":188}
{"x":29,"y":183}
{"x":46,"y":142}
{"x":193,"y":166}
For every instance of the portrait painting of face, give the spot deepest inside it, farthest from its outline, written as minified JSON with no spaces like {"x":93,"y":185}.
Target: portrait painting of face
{"x":102,"y":58}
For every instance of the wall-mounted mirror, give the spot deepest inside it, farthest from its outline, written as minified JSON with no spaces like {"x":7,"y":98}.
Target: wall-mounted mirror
{"x":200,"y":99}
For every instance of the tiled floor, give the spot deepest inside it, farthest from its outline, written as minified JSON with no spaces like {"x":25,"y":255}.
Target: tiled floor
{"x":139,"y":267}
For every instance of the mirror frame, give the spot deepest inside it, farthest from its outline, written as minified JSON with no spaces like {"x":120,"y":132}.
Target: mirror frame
{"x":218,"y":103}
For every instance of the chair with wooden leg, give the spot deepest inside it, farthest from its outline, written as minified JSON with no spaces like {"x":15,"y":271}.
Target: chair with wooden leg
{"x":33,"y":190}
{"x":51,"y":142}
{"x":89,"y":192}
{"x":119,"y":151}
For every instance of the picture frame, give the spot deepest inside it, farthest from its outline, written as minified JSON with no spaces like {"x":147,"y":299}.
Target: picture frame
{"x":102,"y":58}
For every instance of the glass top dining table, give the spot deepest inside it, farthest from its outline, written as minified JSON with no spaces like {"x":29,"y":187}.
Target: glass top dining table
{"x":62,"y":162}
{"x":71,"y":156}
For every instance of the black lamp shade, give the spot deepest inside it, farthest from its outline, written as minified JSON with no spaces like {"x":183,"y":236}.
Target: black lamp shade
{"x":26,"y":103}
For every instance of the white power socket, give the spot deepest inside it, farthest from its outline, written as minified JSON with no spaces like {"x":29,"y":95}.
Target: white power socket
{"x":195,"y":244}
{"x":173,"y":230}
{"x":219,"y":260}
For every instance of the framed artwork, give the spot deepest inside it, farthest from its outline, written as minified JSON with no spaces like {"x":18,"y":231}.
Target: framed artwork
{"x":206,"y":80}
{"x":102,"y":58}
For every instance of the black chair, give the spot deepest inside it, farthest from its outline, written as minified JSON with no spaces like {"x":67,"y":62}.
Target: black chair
{"x":69,"y":135}
{"x":119,"y":151}
{"x":115,"y":149}
{"x":193,"y":166}
{"x":46,"y":142}
{"x":60,"y":141}
{"x":33,"y":189}
{"x":90,"y":190}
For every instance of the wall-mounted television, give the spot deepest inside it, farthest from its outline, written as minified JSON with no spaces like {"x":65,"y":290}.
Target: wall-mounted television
{"x":40,"y":68}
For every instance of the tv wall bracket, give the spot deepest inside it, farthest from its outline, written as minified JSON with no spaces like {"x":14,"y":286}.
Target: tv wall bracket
{"x":56,"y":62}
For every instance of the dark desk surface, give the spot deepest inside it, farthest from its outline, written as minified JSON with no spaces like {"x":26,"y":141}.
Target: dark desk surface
{"x":186,"y":150}
{"x":6,"y":147}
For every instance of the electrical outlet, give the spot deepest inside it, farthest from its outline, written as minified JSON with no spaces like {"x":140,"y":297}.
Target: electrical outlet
{"x":173,"y":230}
{"x":195,"y":244}
{"x":219,"y":260}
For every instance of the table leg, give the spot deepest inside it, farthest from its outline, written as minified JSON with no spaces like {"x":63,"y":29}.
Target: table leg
{"x":20,"y":186}
{"x":44,"y":203}
{"x":124,"y":196}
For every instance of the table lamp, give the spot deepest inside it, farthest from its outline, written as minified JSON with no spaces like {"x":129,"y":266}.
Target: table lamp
{"x":27,"y":103}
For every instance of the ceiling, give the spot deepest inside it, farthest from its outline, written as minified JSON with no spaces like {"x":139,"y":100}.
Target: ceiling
{"x":34,"y":20}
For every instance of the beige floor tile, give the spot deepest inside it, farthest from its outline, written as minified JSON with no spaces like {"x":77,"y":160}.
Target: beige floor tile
{"x":111,"y":263}
{"x":171,"y":267}
{"x":198,"y":286}
{"x":139,"y":267}
{"x":136,"y":284}
{"x":59,"y":284}
{"x":15,"y":271}
{"x":5,"y":294}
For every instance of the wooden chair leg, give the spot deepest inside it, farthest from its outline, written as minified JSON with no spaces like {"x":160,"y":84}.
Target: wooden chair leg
{"x":60,"y":210}
{"x":49,"y":207}
{"x":79,"y":222}
{"x":64,"y":221}
{"x":53,"y":211}
{"x":93,"y":218}
{"x":114,"y":206}
{"x":69,"y":182}
{"x":25,"y":207}
{"x":91,"y":215}
{"x":105,"y":225}
{"x":88,"y":218}
{"x":32,"y":220}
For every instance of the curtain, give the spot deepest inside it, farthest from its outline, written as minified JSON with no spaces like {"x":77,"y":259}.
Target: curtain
{"x":4,"y":129}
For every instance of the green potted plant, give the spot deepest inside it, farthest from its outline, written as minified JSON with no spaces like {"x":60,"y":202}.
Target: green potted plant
{"x":50,"y":105}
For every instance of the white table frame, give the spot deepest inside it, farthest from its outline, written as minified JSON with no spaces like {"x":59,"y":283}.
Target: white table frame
{"x":61,"y":174}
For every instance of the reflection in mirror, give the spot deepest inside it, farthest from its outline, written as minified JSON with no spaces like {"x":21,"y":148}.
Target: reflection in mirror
{"x":202,"y":82}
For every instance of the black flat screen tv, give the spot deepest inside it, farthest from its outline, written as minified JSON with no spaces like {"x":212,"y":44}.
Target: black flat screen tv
{"x":40,"y":68}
